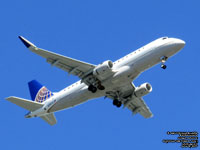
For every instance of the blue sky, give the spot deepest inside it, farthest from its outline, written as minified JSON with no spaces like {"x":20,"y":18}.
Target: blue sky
{"x":95,"y":31}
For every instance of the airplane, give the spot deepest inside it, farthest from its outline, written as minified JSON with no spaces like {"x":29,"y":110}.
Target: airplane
{"x":109,"y":79}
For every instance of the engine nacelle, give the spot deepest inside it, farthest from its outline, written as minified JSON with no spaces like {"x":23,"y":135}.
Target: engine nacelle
{"x":103,"y":68}
{"x":143,"y":90}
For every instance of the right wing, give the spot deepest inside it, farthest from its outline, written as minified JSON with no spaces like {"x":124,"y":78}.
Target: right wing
{"x":129,"y":100}
{"x":72,"y":66}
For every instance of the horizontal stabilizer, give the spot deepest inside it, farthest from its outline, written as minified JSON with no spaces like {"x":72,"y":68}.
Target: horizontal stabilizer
{"x":50,"y":119}
{"x":24,"y":103}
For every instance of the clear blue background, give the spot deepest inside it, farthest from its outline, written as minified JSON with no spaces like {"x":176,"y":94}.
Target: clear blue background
{"x":94,"y":31}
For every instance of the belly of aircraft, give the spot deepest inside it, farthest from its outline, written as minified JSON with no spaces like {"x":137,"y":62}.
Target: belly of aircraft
{"x":75,"y":99}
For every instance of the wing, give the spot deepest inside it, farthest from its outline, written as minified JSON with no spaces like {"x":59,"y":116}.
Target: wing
{"x":72,"y":66}
{"x":137,"y":105}
{"x":129,"y":100}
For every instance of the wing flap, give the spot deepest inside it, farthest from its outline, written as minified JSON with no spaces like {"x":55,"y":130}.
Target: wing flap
{"x":137,"y":105}
{"x":24,"y":103}
{"x":50,"y":119}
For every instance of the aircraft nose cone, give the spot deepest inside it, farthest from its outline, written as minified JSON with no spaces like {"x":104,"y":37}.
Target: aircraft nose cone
{"x":180,"y":43}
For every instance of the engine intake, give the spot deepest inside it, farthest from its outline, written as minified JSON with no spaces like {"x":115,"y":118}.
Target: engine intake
{"x":143,"y":90}
{"x":103,"y":68}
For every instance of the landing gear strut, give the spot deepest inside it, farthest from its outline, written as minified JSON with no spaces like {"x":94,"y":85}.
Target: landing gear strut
{"x":163,"y":60}
{"x":117,"y":103}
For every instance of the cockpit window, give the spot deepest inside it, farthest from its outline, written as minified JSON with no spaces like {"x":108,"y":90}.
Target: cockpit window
{"x":164,"y":38}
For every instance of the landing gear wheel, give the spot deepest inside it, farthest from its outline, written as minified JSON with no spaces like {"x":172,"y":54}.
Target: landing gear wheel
{"x":100,"y":87}
{"x":92,"y":88}
{"x":163,"y":66}
{"x":117,"y":103}
{"x":163,"y":60}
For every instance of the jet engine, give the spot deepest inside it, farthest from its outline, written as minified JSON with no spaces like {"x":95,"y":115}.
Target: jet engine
{"x":103,"y":68}
{"x":143,"y":90}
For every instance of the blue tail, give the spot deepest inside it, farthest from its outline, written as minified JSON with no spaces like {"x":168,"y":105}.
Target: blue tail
{"x":39,"y":93}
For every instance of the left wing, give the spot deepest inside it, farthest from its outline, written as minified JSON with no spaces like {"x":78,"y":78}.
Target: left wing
{"x":129,"y":100}
{"x":72,"y":66}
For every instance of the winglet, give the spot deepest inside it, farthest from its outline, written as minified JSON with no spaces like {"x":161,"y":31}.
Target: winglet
{"x":26,"y":42}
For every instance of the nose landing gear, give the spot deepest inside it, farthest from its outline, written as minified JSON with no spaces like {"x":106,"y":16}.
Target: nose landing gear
{"x":163,"y":60}
{"x":163,"y":66}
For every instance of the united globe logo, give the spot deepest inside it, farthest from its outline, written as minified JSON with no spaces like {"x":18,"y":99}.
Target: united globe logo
{"x":43,"y":94}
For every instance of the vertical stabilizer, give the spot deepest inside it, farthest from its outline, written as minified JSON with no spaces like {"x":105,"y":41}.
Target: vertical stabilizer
{"x":39,"y":93}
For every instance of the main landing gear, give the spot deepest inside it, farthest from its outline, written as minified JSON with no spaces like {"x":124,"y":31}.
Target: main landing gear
{"x":101,"y":87}
{"x":93,"y":89}
{"x":163,"y":60}
{"x":117,"y":103}
{"x":117,"y":98}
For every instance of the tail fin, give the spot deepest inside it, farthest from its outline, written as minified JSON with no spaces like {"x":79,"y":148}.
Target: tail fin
{"x":39,"y":93}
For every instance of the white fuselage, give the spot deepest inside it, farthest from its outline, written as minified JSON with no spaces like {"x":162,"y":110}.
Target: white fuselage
{"x":126,"y":70}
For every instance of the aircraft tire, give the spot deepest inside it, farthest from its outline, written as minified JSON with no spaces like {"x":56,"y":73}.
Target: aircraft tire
{"x":117,"y":103}
{"x":92,"y":88}
{"x":100,"y":87}
{"x":163,"y":66}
